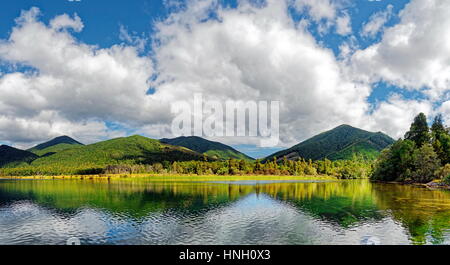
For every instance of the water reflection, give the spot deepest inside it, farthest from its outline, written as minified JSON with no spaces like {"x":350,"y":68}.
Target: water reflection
{"x":142,"y":211}
{"x":425,"y":213}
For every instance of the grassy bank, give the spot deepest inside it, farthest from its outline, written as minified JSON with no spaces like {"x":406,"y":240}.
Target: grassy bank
{"x":180,"y":177}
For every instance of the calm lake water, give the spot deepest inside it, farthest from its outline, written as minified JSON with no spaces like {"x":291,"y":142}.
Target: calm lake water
{"x":144,"y":211}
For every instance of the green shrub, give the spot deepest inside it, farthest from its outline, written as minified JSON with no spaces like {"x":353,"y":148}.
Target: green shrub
{"x":446,"y":180}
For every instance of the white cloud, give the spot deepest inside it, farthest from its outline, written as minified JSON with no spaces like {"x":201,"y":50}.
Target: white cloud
{"x":137,"y":41}
{"x":78,"y":82}
{"x":258,"y":53}
{"x":252,"y":52}
{"x":376,"y":22}
{"x":413,"y":54}
{"x":64,"y":21}
{"x":343,"y":25}
{"x":326,"y":13}
{"x":395,"y":115}
{"x":26,"y":132}
{"x":347,"y":48}
{"x":444,"y":109}
{"x":318,"y":9}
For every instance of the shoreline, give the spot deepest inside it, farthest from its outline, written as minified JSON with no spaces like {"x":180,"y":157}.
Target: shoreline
{"x":188,"y":177}
{"x":430,"y":185}
{"x":194,"y":177}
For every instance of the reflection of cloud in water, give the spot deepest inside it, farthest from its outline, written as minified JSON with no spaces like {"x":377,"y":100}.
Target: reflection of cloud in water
{"x":248,"y":220}
{"x":253,"y":219}
{"x":27,"y":223}
{"x":242,"y":222}
{"x":212,"y":213}
{"x":259,"y":219}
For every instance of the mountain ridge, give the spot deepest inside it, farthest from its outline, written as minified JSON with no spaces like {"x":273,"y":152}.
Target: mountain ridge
{"x":11,"y":157}
{"x":129,"y":150}
{"x":54,"y":145}
{"x":207,"y":147}
{"x":339,"y":143}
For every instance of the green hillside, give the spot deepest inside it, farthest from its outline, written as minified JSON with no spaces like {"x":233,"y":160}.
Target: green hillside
{"x":210,"y":148}
{"x":55,"y":145}
{"x":11,"y":157}
{"x":340,"y":143}
{"x":126,"y":150}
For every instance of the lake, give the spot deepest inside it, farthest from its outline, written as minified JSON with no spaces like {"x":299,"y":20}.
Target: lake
{"x":171,"y":211}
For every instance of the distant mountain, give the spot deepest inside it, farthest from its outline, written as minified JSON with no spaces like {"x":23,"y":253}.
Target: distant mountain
{"x":55,"y":145}
{"x":210,"y":148}
{"x":339,"y":143}
{"x":12,"y":157}
{"x":124,"y":150}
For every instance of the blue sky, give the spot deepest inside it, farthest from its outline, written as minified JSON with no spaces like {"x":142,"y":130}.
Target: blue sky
{"x":104,"y":23}
{"x":103,"y":18}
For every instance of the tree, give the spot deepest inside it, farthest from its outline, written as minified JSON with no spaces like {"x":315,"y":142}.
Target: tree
{"x":440,"y":140}
{"x":426,"y":164}
{"x":442,"y":148}
{"x":285,"y":161}
{"x":396,"y":162}
{"x":241,"y":165}
{"x":257,"y":166}
{"x":438,"y":126}
{"x":419,"y":131}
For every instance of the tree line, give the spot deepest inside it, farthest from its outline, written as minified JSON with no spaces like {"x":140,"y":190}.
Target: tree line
{"x":422,"y":156}
{"x":357,"y":167}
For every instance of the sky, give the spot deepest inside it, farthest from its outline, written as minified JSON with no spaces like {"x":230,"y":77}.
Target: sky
{"x":98,"y":69}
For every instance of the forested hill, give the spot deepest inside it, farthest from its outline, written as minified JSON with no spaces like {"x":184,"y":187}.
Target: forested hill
{"x":125,"y":150}
{"x":55,"y":145}
{"x":11,"y":157}
{"x":213,"y":149}
{"x":342,"y":142}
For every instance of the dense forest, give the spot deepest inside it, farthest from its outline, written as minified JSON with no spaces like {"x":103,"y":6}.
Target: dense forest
{"x":340,"y":143}
{"x":194,"y":155}
{"x":13,"y":157}
{"x":355,"y":168}
{"x":422,"y":156}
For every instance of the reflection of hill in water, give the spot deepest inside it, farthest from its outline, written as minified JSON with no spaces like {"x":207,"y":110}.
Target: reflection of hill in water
{"x":135,"y":198}
{"x":425,"y":214}
{"x":343,"y":203}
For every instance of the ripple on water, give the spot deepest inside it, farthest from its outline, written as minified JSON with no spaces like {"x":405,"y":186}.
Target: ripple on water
{"x":218,"y":213}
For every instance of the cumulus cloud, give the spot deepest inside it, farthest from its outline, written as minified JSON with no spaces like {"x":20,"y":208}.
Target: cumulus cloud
{"x":326,"y":13}
{"x":318,"y":9}
{"x":64,"y":21}
{"x":24,"y":132}
{"x":413,"y":54}
{"x":132,"y":38}
{"x":252,"y":52}
{"x":444,"y":109}
{"x":395,"y":115}
{"x":376,"y":22}
{"x":258,"y":54}
{"x":347,"y":48}
{"x":343,"y":25}
{"x":78,"y":82}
